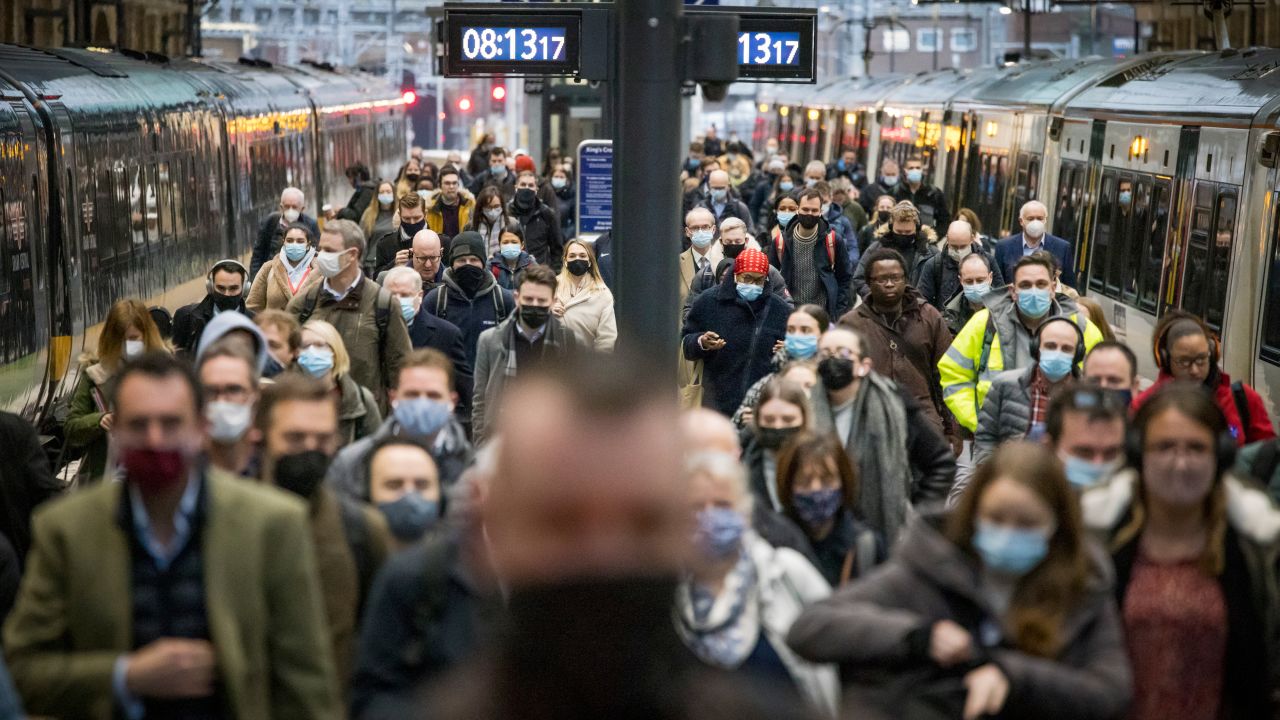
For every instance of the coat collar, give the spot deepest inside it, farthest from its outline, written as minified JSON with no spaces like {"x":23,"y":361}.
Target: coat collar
{"x":1249,"y":510}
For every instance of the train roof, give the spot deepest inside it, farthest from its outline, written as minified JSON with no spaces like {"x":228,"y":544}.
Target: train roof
{"x":854,"y":93}
{"x":934,"y":88}
{"x":1037,"y":84}
{"x":1189,"y":85}
{"x":91,"y":81}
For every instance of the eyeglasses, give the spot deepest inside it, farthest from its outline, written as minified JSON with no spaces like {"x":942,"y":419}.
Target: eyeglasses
{"x":424,"y":259}
{"x":843,"y":353}
{"x":696,"y":228}
{"x":229,"y":393}
{"x":1188,"y":362}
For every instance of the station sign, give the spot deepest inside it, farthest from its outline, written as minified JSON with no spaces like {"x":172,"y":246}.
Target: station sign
{"x":595,"y":188}
{"x":511,"y":43}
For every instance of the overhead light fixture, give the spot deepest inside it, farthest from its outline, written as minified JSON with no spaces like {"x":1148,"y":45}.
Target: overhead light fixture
{"x":813,"y":114}
{"x":849,"y":118}
{"x":1006,"y":10}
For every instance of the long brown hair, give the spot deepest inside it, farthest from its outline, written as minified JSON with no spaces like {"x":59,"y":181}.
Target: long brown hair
{"x":1044,"y":596}
{"x":123,"y":315}
{"x":1193,"y":403}
{"x":804,"y":450}
{"x":788,"y":392}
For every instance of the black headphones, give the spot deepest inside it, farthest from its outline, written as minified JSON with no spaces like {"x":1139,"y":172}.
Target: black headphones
{"x":1160,"y":343}
{"x":1080,"y":350}
{"x":1134,"y":440}
{"x":228,"y":265}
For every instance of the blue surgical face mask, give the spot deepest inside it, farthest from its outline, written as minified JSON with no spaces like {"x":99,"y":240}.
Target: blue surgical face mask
{"x":719,"y":194}
{"x":498,"y":171}
{"x":915,"y":176}
{"x":559,"y":183}
{"x":890,"y":180}
{"x":1126,"y":197}
{"x":719,"y":532}
{"x":1014,"y":551}
{"x":702,"y":238}
{"x":1055,"y":364}
{"x":810,"y":182}
{"x":272,"y":368}
{"x":316,"y":361}
{"x":1034,"y":302}
{"x":818,"y":506}
{"x":749,"y":291}
{"x":801,"y":347}
{"x":975,"y":292}
{"x":410,"y":517}
{"x":407,"y":310}
{"x":386,"y":198}
{"x":1084,"y":474}
{"x":295,"y":251}
{"x":784,"y":218}
{"x":786,"y":186}
{"x":421,"y":416}
{"x":510,"y":251}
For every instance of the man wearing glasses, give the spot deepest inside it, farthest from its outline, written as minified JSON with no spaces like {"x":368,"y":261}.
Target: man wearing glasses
{"x":229,"y":366}
{"x":1187,"y":350}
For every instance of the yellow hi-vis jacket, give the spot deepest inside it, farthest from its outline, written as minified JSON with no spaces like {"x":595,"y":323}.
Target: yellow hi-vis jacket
{"x":974,"y":359}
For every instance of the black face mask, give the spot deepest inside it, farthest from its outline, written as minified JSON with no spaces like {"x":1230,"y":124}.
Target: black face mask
{"x":469,"y":278}
{"x":524,"y":197}
{"x":578,"y":268}
{"x":836,"y":373}
{"x":301,"y":473}
{"x":272,"y":368}
{"x":622,"y":624}
{"x":534,"y":317}
{"x":412,"y":177}
{"x":225,"y":302}
{"x":411,"y":229}
{"x":900,"y":240}
{"x":882,"y":216}
{"x":774,"y":438}
{"x":732,"y":251}
{"x":808,"y":222}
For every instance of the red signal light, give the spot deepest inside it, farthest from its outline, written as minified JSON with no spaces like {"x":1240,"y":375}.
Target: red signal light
{"x":499,"y":92}
{"x":409,"y":97}
{"x":464,"y":104}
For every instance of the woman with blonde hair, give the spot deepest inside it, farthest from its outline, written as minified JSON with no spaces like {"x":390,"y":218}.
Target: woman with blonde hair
{"x":127,"y":331}
{"x":999,"y":609}
{"x":583,"y":302}
{"x":324,"y":357}
{"x":380,"y":216}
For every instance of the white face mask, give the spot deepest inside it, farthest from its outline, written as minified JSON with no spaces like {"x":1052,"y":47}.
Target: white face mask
{"x":228,"y":421}
{"x":133,"y":348}
{"x":292,"y":215}
{"x":1034,"y":229}
{"x":329,"y":263}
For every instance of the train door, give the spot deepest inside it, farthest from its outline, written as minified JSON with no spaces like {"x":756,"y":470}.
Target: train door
{"x":1266,"y":368}
{"x":65,"y":257}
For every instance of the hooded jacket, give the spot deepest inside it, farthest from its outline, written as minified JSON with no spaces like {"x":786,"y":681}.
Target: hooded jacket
{"x":915,"y":257}
{"x":750,"y":330}
{"x":975,"y":358}
{"x":472,"y":315}
{"x":226,"y":322}
{"x":877,"y":629}
{"x":907,"y":350}
{"x":190,"y":320}
{"x":1248,"y":582}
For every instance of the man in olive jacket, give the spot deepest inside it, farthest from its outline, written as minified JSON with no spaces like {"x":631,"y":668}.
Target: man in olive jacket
{"x":239,"y":632}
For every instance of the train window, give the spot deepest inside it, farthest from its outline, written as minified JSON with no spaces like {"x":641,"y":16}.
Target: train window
{"x":137,"y":207}
{"x":1271,"y":319}
{"x":164,"y":203}
{"x":1102,"y":233}
{"x":1151,"y":259}
{"x":997,"y":201}
{"x":1020,"y":180}
{"x":1033,"y":178}
{"x":105,"y":213}
{"x":1064,"y":220}
{"x":1220,"y":259}
{"x":1195,"y":265}
{"x":153,"y":206}
{"x":1127,"y":259}
{"x":8,"y":217}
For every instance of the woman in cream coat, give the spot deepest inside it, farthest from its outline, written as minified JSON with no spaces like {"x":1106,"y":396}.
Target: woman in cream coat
{"x":583,"y":302}
{"x":286,"y":274}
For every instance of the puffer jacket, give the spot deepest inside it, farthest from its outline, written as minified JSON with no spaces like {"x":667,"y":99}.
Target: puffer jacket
{"x":973,"y":361}
{"x":435,"y":211}
{"x":1248,"y":580}
{"x":907,"y":350}
{"x":877,"y":629}
{"x":473,"y":315}
{"x":915,"y":257}
{"x":1006,"y":413}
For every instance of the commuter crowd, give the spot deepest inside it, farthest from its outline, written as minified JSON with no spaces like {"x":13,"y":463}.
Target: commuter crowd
{"x":395,"y":467}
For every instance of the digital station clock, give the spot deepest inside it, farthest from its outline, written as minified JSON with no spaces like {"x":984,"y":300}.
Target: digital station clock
{"x":775,"y":46}
{"x":514,"y":44}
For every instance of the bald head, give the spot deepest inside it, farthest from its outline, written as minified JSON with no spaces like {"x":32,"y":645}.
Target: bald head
{"x":708,"y":431}
{"x":699,"y":217}
{"x":959,"y":234}
{"x":426,"y":254}
{"x":718,"y":180}
{"x":587,"y":486}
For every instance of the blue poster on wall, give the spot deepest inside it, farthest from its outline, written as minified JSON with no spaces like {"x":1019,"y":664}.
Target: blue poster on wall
{"x":595,"y":187}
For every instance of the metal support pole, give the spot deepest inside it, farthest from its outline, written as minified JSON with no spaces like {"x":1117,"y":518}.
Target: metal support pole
{"x":1026,"y":31}
{"x":646,"y":166}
